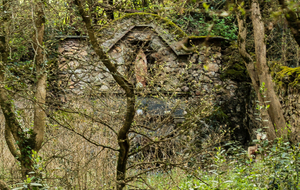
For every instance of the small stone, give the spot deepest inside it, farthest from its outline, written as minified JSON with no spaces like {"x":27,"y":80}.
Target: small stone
{"x":77,"y":91}
{"x":212,"y":67}
{"x":205,"y":87}
{"x":73,"y":64}
{"x":185,"y":88}
{"x":201,"y":59}
{"x":194,"y":58}
{"x":195,"y":73}
{"x":67,"y":48}
{"x":167,"y":69}
{"x":104,"y":88}
{"x":100,"y":75}
{"x":204,"y":78}
{"x":60,"y":50}
{"x":211,"y":74}
{"x":84,"y":53}
{"x":198,"y":93}
{"x":69,"y":53}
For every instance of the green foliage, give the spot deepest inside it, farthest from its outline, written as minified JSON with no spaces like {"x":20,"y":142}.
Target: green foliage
{"x":278,"y":168}
{"x":288,"y":75}
{"x":224,"y":27}
{"x":200,"y":25}
{"x":205,"y":6}
{"x":35,"y":181}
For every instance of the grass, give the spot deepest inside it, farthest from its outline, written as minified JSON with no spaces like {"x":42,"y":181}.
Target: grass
{"x":69,"y":162}
{"x":278,"y":168}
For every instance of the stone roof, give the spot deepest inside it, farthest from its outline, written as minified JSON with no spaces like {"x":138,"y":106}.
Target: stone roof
{"x":110,"y":34}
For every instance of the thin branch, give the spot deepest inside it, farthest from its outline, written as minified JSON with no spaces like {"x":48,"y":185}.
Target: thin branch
{"x":81,"y":135}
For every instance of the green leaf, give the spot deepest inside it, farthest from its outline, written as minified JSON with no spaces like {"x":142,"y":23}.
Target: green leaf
{"x":206,"y":6}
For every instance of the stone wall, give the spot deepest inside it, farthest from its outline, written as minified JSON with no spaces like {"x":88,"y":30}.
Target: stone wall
{"x":190,"y":76}
{"x":151,"y":62}
{"x":290,"y":101}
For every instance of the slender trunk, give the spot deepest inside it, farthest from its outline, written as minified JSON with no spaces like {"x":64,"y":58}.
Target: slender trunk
{"x":266,"y":121}
{"x":41,"y":77}
{"x":123,"y":140}
{"x":275,"y":111}
{"x":13,"y":130}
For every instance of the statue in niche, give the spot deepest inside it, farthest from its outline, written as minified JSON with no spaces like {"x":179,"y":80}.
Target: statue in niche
{"x":141,"y":69}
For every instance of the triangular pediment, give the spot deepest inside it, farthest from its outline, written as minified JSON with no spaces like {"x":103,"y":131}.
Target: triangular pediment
{"x":116,"y":30}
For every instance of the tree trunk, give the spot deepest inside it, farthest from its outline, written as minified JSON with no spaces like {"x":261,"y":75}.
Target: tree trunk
{"x":275,"y":111}
{"x":266,"y":121}
{"x":14,"y":133}
{"x":11,"y":123}
{"x":123,"y":139}
{"x":272,"y":118}
{"x":41,"y":77}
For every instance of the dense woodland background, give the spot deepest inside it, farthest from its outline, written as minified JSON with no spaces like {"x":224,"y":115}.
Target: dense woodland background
{"x":52,"y":139}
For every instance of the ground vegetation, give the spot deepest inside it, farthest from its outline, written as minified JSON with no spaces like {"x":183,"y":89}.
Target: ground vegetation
{"x":54,"y":139}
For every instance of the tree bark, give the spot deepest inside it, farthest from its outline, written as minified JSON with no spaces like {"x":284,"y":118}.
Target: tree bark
{"x":123,"y":139}
{"x":10,"y":142}
{"x":41,"y":77}
{"x":275,"y":111}
{"x":252,"y":72}
{"x":272,"y":118}
{"x":14,"y":133}
{"x":12,"y":125}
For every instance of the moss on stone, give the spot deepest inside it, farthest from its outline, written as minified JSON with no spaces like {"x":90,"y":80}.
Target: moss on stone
{"x":237,"y":72}
{"x":288,"y":75}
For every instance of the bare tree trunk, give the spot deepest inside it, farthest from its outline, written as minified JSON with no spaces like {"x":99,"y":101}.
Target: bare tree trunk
{"x":14,"y":133}
{"x":41,"y":77}
{"x":259,"y":73}
{"x":275,"y":110}
{"x":253,"y":73}
{"x":123,"y":139}
{"x":13,"y":129}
